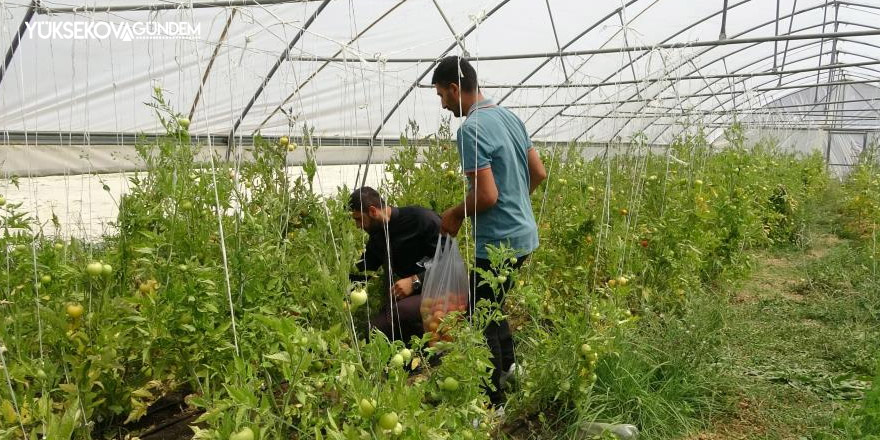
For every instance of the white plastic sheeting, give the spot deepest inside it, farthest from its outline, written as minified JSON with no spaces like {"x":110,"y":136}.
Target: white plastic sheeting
{"x":839,"y":121}
{"x":63,"y":85}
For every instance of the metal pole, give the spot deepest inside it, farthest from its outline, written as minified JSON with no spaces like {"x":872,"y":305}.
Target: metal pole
{"x":192,"y":110}
{"x":324,"y":66}
{"x":433,"y":62}
{"x":458,"y":40}
{"x":678,"y":79}
{"x":696,"y":95}
{"x":790,"y":25}
{"x":415,"y":84}
{"x":566,"y":45}
{"x":723,"y":34}
{"x":822,"y":45}
{"x":776,"y":43}
{"x":271,"y":73}
{"x":556,"y":37}
{"x":642,"y":48}
{"x":165,"y":6}
{"x":607,"y":78}
{"x":16,"y":39}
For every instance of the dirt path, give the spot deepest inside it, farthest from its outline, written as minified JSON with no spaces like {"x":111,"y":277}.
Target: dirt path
{"x":798,"y":350}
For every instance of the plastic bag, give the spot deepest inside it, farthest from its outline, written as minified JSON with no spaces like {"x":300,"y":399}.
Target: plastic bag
{"x":445,"y":289}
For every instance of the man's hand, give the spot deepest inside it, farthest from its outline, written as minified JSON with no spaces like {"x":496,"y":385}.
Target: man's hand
{"x":403,"y":287}
{"x":451,"y":220}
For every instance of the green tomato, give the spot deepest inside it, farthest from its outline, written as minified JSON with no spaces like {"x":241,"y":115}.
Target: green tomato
{"x":398,"y":429}
{"x":367,"y":408}
{"x":186,"y":205}
{"x":407,"y":354}
{"x":184,"y":124}
{"x":244,"y":434}
{"x":59,"y":246}
{"x":94,"y":268}
{"x":449,"y":384}
{"x":75,"y":310}
{"x":586,"y":349}
{"x":397,"y":360}
{"x":388,"y":420}
{"x":182,"y":267}
{"x":2,"y":201}
{"x":107,"y":270}
{"x":46,"y":279}
{"x":358,"y":298}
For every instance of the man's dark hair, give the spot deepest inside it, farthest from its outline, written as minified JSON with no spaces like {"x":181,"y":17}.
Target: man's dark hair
{"x":363,"y":198}
{"x":455,"y":70}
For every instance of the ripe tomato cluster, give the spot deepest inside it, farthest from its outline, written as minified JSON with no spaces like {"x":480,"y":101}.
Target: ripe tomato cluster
{"x":435,"y":310}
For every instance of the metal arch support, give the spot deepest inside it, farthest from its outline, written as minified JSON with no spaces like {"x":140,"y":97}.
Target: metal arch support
{"x":723,"y":34}
{"x":416,"y":84}
{"x":166,"y":6}
{"x":433,"y":63}
{"x":556,"y":38}
{"x":804,"y":86}
{"x":192,"y":110}
{"x":802,"y":59}
{"x":683,"y":78}
{"x":707,"y":86}
{"x":801,"y":87}
{"x":791,"y":16}
{"x":703,"y":95}
{"x":867,"y":101}
{"x":16,"y":39}
{"x":284,"y":55}
{"x":643,"y":48}
{"x":464,"y":51}
{"x":790,"y":25}
{"x":327,"y":63}
{"x":716,"y":60}
{"x":681,"y":31}
{"x":570,"y":42}
{"x":759,"y":26}
{"x":776,"y":43}
{"x":833,"y":50}
{"x":760,"y":85}
{"x":822,"y":46}
{"x":816,"y":86}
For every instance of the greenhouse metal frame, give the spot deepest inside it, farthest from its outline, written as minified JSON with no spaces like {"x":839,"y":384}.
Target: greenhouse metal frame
{"x":716,"y":98}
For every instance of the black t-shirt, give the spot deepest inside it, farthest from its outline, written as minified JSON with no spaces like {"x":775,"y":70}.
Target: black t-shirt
{"x":412,"y":237}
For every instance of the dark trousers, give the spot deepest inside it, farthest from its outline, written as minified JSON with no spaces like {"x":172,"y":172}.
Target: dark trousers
{"x":407,"y":319}
{"x":497,"y":333}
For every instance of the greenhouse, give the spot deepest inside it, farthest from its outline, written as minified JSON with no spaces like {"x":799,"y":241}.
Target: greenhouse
{"x":517,"y":219}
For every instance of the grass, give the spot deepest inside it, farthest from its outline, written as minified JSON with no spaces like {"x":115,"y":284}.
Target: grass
{"x":787,"y":353}
{"x":799,"y":346}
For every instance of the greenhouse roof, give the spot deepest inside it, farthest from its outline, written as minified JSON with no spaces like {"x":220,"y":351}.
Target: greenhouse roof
{"x":572,"y":70}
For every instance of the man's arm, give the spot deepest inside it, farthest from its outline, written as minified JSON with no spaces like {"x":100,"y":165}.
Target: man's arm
{"x":482,"y":195}
{"x":537,"y":173}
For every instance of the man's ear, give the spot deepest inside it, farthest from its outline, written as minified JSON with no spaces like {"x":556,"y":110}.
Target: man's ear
{"x":373,"y":212}
{"x":454,"y":90}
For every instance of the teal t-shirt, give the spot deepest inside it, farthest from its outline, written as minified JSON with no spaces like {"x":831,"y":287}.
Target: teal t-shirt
{"x":493,"y":137}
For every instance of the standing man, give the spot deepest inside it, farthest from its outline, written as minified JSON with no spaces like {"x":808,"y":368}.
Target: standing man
{"x":410,"y":234}
{"x":503,"y":169}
